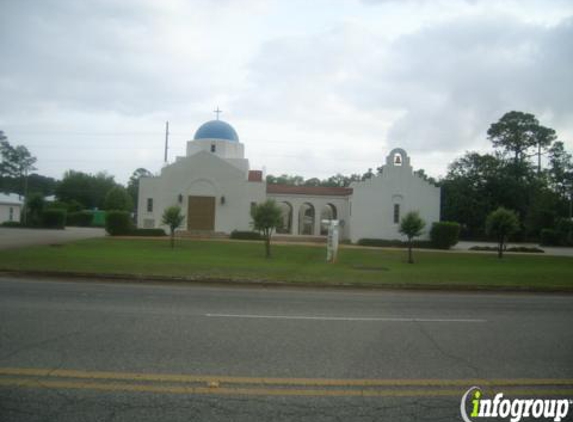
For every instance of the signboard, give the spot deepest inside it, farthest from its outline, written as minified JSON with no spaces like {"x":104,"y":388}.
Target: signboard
{"x":331,"y":240}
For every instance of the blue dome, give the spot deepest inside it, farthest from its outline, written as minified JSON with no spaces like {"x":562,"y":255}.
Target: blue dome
{"x":216,"y":129}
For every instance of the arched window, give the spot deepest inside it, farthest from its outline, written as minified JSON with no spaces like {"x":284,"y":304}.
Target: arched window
{"x":328,"y":212}
{"x":286,"y":215}
{"x":306,"y":219}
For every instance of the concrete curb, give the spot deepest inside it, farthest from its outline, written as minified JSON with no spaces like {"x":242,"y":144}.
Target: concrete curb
{"x":140,"y":278}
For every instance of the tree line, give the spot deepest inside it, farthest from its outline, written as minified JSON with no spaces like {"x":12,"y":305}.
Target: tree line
{"x":528,"y":171}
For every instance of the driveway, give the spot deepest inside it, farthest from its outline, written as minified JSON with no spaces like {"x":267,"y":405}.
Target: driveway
{"x":17,"y":238}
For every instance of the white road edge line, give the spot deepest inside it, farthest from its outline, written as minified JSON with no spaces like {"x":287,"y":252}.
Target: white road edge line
{"x":334,"y":318}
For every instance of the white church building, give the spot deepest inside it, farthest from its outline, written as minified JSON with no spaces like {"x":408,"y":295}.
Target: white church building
{"x":215,"y":187}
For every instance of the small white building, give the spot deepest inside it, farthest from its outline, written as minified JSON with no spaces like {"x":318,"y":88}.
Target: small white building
{"x":10,"y":207}
{"x":216,"y":189}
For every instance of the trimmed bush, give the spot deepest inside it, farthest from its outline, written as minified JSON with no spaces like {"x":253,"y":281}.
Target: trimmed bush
{"x":80,"y":218}
{"x":246,"y":235}
{"x":147,"y":232}
{"x":512,"y":249}
{"x":444,"y":234}
{"x":395,"y":243}
{"x":54,"y":218}
{"x":118,"y":223}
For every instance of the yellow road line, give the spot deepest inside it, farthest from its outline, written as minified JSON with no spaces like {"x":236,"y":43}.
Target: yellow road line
{"x":318,"y":382}
{"x":162,"y":389}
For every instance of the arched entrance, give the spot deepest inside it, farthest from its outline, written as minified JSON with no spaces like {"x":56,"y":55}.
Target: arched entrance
{"x":328,"y":212}
{"x":286,"y":215}
{"x":306,"y":219}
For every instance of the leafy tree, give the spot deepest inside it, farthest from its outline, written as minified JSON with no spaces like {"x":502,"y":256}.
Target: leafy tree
{"x":35,"y":205}
{"x":368,"y":175}
{"x":422,"y":175}
{"x":36,"y":183}
{"x":117,"y":198}
{"x":266,"y":218}
{"x":87,"y":189}
{"x":315,"y":181}
{"x":133,"y":183}
{"x":517,"y":132}
{"x":502,"y":223}
{"x":17,"y":161}
{"x":173,"y":218}
{"x":561,"y":172}
{"x":411,"y":226}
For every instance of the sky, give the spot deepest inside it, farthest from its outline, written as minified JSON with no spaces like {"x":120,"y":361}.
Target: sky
{"x":313,"y":88}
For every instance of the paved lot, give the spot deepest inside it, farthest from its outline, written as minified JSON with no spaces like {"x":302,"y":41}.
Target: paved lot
{"x":17,"y":238}
{"x":120,"y":351}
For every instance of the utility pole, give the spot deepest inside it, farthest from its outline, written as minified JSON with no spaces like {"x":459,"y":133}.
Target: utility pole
{"x":166,"y":141}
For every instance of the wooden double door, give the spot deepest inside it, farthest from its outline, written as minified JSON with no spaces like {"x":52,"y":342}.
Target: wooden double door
{"x":201,"y":213}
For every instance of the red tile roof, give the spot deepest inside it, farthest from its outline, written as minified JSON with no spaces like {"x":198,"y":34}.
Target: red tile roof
{"x":255,"y":176}
{"x":308,"y":190}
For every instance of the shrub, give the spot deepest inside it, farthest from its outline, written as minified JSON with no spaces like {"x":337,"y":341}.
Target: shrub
{"x":444,"y":234}
{"x":395,"y":243}
{"x":549,"y":237}
{"x":565,"y":230}
{"x":147,"y":232}
{"x":118,"y":223}
{"x":54,"y":218}
{"x":525,"y":249}
{"x":11,"y":224}
{"x":245,"y":235}
{"x":80,"y":218}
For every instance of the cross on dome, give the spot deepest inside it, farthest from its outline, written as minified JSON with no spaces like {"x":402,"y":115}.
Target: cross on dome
{"x":217,"y":112}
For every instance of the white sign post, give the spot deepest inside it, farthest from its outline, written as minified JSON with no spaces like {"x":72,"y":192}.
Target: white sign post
{"x":331,"y":240}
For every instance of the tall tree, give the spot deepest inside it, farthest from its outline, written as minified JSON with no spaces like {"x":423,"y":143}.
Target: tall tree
{"x":561,"y":173}
{"x":517,"y":132}
{"x":133,"y":183}
{"x":17,"y":161}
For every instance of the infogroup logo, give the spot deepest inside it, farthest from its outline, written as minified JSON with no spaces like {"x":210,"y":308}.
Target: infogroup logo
{"x":514,"y":409}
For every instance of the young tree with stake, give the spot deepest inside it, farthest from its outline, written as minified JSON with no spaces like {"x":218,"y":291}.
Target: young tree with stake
{"x":411,"y":226}
{"x":266,"y":218}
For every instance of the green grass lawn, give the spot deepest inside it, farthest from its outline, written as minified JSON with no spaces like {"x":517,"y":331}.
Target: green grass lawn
{"x":291,"y":263}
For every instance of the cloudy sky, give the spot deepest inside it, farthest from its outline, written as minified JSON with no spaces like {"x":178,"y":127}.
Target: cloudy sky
{"x":312,"y":87}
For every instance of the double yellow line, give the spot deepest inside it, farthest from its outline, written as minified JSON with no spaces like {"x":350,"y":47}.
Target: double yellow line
{"x":263,"y":386}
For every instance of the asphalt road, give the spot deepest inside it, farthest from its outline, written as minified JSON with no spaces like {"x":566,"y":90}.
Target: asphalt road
{"x":113,"y":351}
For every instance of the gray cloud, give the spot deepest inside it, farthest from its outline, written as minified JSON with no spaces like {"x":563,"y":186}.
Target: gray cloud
{"x":446,"y":83}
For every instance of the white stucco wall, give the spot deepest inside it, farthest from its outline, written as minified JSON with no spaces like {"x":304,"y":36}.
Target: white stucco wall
{"x":5,"y":212}
{"x":223,"y":148}
{"x":372,"y":201}
{"x":203,"y":174}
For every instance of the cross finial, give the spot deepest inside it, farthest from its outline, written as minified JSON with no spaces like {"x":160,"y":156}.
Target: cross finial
{"x":217,"y":112}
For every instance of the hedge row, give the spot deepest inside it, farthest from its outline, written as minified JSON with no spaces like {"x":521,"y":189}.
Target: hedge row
{"x":245,"y":235}
{"x":118,"y":223}
{"x":80,"y":218}
{"x":395,"y":243}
